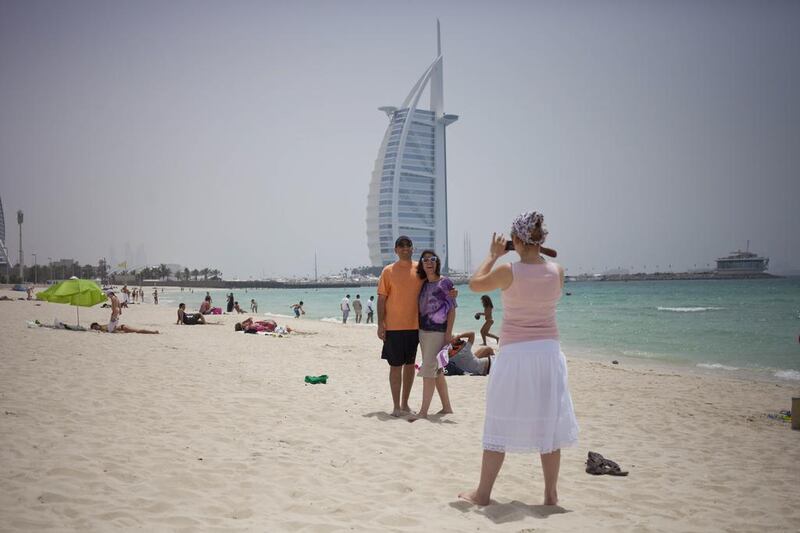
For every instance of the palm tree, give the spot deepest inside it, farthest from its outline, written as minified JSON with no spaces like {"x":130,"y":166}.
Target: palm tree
{"x":186,"y":274}
{"x":195,"y":273}
{"x":102,"y":269}
{"x":87,"y":272}
{"x":205,"y":273}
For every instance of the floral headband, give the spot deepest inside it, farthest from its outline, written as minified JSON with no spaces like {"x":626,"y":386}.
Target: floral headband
{"x":524,"y":224}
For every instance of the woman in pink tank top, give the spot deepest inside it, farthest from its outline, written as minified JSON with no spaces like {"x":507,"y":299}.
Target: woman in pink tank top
{"x":528,"y":404}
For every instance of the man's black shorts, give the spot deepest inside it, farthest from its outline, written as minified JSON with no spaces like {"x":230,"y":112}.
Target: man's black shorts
{"x":400,"y":347}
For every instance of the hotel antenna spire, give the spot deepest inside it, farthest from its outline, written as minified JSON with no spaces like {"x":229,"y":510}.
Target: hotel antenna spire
{"x":438,"y":39}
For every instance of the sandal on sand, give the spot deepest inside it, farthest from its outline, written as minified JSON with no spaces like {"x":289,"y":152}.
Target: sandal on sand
{"x":598,"y":465}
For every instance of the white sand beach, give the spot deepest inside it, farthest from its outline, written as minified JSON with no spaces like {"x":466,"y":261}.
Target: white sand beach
{"x":200,"y":428}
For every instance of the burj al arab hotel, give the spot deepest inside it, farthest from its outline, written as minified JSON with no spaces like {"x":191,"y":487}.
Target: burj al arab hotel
{"x":408,"y":190}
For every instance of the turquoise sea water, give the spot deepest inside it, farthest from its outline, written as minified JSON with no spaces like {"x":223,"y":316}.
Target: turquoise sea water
{"x":721,"y":326}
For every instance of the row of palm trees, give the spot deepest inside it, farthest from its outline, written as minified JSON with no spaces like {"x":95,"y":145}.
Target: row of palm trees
{"x":40,"y":273}
{"x":162,"y":271}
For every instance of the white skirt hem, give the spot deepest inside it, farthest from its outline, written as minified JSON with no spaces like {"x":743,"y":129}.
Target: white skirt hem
{"x":528,"y":405}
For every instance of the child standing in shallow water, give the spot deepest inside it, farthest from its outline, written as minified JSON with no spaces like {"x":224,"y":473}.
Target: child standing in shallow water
{"x":488,"y":320}
{"x":298,"y":309}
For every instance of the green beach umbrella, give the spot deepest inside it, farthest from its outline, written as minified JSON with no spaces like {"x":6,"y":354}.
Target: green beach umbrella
{"x":74,"y":291}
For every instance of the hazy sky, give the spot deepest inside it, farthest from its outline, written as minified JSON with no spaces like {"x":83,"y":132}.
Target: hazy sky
{"x":242,"y":135}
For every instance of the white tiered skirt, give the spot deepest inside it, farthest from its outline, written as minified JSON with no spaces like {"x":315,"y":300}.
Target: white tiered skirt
{"x":528,"y":405}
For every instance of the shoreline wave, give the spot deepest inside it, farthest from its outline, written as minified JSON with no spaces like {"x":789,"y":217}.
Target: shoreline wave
{"x":689,"y":309}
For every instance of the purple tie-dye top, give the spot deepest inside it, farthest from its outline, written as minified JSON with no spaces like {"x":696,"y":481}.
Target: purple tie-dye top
{"x":435,"y":303}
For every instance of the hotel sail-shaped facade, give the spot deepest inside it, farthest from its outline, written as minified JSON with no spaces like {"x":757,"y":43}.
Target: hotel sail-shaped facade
{"x":408,"y":189}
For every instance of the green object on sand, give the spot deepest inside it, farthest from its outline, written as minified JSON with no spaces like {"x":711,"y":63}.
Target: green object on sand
{"x":317,"y":379}
{"x":77,"y":292}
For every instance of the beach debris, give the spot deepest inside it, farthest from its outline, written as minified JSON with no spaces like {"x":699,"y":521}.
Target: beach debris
{"x":597,"y":465}
{"x":317,"y":379}
{"x":783,"y":416}
{"x":614,"y":362}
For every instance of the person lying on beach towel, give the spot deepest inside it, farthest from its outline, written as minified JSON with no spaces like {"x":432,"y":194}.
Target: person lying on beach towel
{"x":189,"y":319}
{"x":477,"y":362}
{"x":56,"y":325}
{"x":122,"y":328}
{"x":259,"y":326}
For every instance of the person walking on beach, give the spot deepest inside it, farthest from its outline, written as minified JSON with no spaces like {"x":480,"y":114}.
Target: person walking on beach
{"x":370,"y":310}
{"x":116,"y":310}
{"x":155,"y":295}
{"x":398,"y":322}
{"x":230,"y":303}
{"x":488,"y":306}
{"x":528,"y":404}
{"x":345,"y":307}
{"x":357,"y":308}
{"x":437,"y":313}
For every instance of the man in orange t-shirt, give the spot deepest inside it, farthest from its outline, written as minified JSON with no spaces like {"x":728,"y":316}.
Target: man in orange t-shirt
{"x":398,"y":321}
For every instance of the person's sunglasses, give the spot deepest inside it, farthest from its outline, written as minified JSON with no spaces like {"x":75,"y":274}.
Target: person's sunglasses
{"x":430,"y":259}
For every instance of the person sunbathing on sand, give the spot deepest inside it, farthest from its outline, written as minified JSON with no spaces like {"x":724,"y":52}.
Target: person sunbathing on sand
{"x":122,"y":328}
{"x":257,"y":326}
{"x":477,"y":362}
{"x":58,"y":325}
{"x":189,"y":319}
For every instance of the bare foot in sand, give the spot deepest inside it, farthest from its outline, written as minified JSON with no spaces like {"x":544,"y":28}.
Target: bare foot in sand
{"x":414,"y":418}
{"x":472,"y":497}
{"x":445,"y":412}
{"x":401,"y":412}
{"x":551,"y":499}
